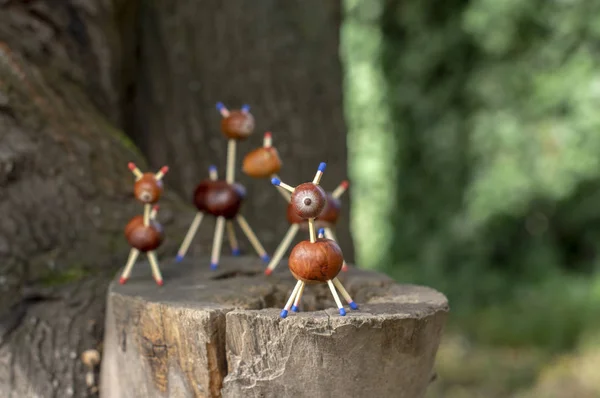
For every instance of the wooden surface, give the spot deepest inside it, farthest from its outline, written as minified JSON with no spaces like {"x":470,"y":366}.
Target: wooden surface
{"x":218,"y":333}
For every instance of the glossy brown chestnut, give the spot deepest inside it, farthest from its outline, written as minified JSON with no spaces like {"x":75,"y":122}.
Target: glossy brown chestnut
{"x":262,"y":162}
{"x":219,"y":198}
{"x":308,"y":200}
{"x":141,"y":237}
{"x":316,"y":262}
{"x":147,"y":189}
{"x":238,"y":125}
{"x":331,"y":212}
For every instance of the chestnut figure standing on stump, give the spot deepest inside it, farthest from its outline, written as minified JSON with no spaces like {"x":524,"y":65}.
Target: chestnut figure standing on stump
{"x":148,"y":187}
{"x":318,"y":260}
{"x":326,"y":220}
{"x":146,"y":238}
{"x":223,"y":199}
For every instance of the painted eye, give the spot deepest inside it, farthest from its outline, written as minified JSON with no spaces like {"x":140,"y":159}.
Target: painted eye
{"x":308,"y":200}
{"x":146,"y":196}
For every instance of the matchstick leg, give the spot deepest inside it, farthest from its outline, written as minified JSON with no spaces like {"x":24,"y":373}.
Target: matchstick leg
{"x":282,"y":248}
{"x":155,"y":270}
{"x":345,"y":294}
{"x":233,"y":242}
{"x":336,"y":298}
{"x":189,"y":236}
{"x":217,"y":241}
{"x":298,"y":297}
{"x":260,"y":250}
{"x":288,"y":305}
{"x":330,"y":235}
{"x":133,"y":255}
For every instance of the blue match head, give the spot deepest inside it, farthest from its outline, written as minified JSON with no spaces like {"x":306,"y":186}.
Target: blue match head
{"x":342,"y":312}
{"x":212,"y":168}
{"x":213,"y":266}
{"x":321,"y":232}
{"x":294,"y":308}
{"x":245,"y":108}
{"x":220,"y":106}
{"x":284,"y":313}
{"x":235,"y":252}
{"x":353,"y":305}
{"x":322,"y":166}
{"x":265,"y":258}
{"x":275,"y":181}
{"x":179,"y":258}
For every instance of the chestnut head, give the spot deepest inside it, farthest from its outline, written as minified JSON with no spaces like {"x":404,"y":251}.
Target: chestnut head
{"x":148,"y":189}
{"x":308,"y":200}
{"x":142,"y":237}
{"x":219,"y":198}
{"x":262,"y":162}
{"x":236,"y":124}
{"x":316,"y":262}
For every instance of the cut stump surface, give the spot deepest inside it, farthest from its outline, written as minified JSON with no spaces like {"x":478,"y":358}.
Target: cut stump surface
{"x":218,"y":334}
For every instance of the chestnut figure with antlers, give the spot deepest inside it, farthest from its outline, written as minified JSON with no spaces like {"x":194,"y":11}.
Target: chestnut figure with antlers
{"x":318,"y":260}
{"x":223,"y":199}
{"x":144,"y":233}
{"x":326,"y":220}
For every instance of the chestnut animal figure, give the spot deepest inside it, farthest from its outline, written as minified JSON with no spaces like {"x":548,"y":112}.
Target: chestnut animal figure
{"x":327,"y":218}
{"x":143,"y":237}
{"x":263,"y":162}
{"x":236,"y":124}
{"x":148,"y":187}
{"x":318,"y":260}
{"x":218,"y":198}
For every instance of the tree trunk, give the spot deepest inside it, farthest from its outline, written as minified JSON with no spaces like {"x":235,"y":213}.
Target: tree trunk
{"x":213,"y":334}
{"x":280,"y":57}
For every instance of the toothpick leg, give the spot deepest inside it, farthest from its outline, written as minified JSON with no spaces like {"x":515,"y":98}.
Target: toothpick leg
{"x":330,"y":235}
{"x":252,"y":238}
{"x":336,"y":298}
{"x":217,"y":241}
{"x":298,"y":297}
{"x":230,"y":172}
{"x":155,"y":270}
{"x":286,"y":195}
{"x":282,"y":248}
{"x":233,"y":242}
{"x":288,"y":305}
{"x":133,"y":255}
{"x":345,"y":294}
{"x":189,"y":236}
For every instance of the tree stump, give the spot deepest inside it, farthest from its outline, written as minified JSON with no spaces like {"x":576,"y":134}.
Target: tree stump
{"x":218,"y":334}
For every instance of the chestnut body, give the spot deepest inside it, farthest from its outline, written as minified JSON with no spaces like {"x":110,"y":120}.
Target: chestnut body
{"x":262,"y":162}
{"x":219,"y":198}
{"x":141,"y":237}
{"x":330,"y":214}
{"x":238,"y":125}
{"x":316,"y":262}
{"x":308,"y":200}
{"x":148,"y":189}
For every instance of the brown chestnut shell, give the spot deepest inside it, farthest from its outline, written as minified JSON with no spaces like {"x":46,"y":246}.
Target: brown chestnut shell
{"x":219,"y":198}
{"x":316,"y":262}
{"x":238,"y":125}
{"x":308,"y":200}
{"x":147,"y":189}
{"x":331,"y":211}
{"x":141,"y":237}
{"x":262,"y":162}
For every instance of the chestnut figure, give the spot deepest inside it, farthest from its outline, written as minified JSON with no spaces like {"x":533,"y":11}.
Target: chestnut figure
{"x":144,"y":236}
{"x":236,"y":124}
{"x":326,"y":220}
{"x":223,"y":200}
{"x":318,"y":260}
{"x":262,"y":163}
{"x":308,"y":200}
{"x":218,"y":198}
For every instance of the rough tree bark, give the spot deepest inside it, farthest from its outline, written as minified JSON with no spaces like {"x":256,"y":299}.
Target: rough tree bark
{"x":219,"y":334}
{"x":281,"y":57}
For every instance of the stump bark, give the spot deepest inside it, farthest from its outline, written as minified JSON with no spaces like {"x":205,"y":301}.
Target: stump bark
{"x":218,"y":334}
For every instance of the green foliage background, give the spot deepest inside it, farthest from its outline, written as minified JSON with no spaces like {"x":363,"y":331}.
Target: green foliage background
{"x":474,"y":141}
